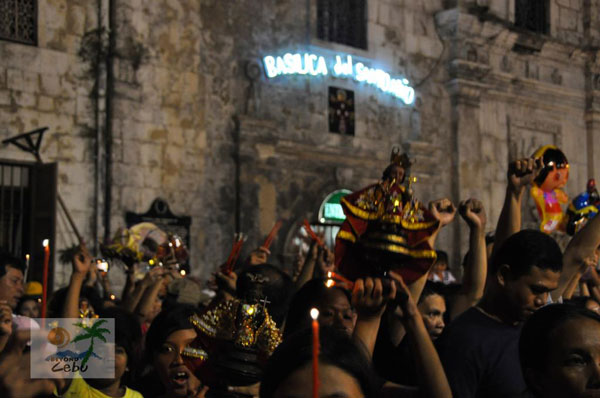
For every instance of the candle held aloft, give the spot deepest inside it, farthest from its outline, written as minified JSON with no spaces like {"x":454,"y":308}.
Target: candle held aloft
{"x":27,"y":258}
{"x":314,"y":314}
{"x":46,"y":244}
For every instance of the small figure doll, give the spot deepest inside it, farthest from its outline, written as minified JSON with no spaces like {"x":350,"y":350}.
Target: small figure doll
{"x":583,"y":208}
{"x":546,"y":188}
{"x":386,"y":228}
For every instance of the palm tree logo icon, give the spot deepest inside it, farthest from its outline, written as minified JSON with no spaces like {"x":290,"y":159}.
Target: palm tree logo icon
{"x":90,"y":332}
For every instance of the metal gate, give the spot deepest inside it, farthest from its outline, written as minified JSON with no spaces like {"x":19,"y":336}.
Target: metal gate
{"x":28,"y":212}
{"x":15,"y":202}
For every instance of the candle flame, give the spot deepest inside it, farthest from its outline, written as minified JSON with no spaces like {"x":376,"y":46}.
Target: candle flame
{"x":170,"y":244}
{"x":314,"y":313}
{"x":330,"y":283}
{"x":329,"y":274}
{"x":182,"y":272}
{"x":27,"y":257}
{"x":45,"y":242}
{"x":177,"y":243}
{"x":112,"y":297}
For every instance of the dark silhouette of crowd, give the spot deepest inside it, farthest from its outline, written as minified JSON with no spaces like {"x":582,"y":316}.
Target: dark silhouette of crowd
{"x":523,"y":319}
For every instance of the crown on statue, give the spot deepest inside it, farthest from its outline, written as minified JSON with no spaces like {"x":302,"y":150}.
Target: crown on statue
{"x":401,"y":160}
{"x":247,"y":325}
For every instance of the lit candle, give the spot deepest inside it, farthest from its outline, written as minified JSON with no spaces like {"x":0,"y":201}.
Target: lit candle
{"x":27,"y":257}
{"x":314,"y":314}
{"x":339,"y":277}
{"x":334,"y":278}
{"x":46,"y":244}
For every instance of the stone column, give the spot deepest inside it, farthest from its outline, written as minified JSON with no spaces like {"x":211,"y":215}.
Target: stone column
{"x":592,"y":84}
{"x":467,"y":66}
{"x":592,"y":114}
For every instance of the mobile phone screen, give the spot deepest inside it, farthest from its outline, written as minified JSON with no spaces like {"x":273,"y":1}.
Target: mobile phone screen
{"x":102,"y":265}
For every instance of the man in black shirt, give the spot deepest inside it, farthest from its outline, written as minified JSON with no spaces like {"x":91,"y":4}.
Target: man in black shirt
{"x":479,"y":349}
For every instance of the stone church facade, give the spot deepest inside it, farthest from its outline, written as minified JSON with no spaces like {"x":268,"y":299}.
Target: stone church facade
{"x":173,"y":99}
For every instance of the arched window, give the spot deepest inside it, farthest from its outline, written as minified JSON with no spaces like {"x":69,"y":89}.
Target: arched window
{"x":327,"y":223}
{"x":330,"y":212}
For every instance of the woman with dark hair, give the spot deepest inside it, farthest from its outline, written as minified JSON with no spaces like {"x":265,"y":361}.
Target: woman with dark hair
{"x":170,"y":332}
{"x":559,"y":350}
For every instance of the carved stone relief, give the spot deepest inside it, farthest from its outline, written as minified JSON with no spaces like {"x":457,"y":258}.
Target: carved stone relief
{"x":556,"y":77}
{"x":532,"y":71}
{"x":505,"y":64}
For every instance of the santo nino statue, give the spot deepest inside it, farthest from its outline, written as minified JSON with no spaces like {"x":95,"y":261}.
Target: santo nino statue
{"x":386,"y":228}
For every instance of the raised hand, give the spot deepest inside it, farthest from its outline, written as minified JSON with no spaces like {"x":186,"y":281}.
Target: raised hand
{"x":227,"y":284}
{"x":443,"y":210}
{"x":259,"y":256}
{"x":325,"y":260}
{"x":522,"y":172}
{"x":473,"y":212}
{"x":82,"y":261}
{"x":153,"y":276}
{"x":407,"y":308}
{"x":369,"y":297}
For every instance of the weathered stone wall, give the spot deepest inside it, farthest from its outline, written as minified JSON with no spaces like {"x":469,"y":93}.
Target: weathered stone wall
{"x":50,"y":85}
{"x":158,"y":122}
{"x":515,"y":91}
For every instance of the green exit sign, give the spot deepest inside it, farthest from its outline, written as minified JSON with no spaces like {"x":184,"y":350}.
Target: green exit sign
{"x":331,"y":209}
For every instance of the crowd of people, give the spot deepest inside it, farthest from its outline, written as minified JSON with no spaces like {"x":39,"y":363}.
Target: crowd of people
{"x":393,"y":321}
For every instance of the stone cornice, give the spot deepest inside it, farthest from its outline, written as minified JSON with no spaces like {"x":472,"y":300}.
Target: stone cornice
{"x":260,"y":139}
{"x":466,"y":91}
{"x":460,"y":27}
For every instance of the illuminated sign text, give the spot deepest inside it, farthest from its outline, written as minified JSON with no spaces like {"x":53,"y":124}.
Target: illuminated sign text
{"x":341,"y":66}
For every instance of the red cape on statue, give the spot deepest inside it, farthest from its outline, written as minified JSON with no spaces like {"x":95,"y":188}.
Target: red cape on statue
{"x":385,"y":229}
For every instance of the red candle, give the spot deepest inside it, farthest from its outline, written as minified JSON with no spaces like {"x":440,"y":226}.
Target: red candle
{"x":27,"y":257}
{"x":334,"y":278}
{"x":46,"y":245}
{"x":314,"y":314}
{"x":339,"y":277}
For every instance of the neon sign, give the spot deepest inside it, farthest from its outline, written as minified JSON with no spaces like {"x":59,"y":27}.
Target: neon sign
{"x":331,"y":209}
{"x":342,"y":66}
